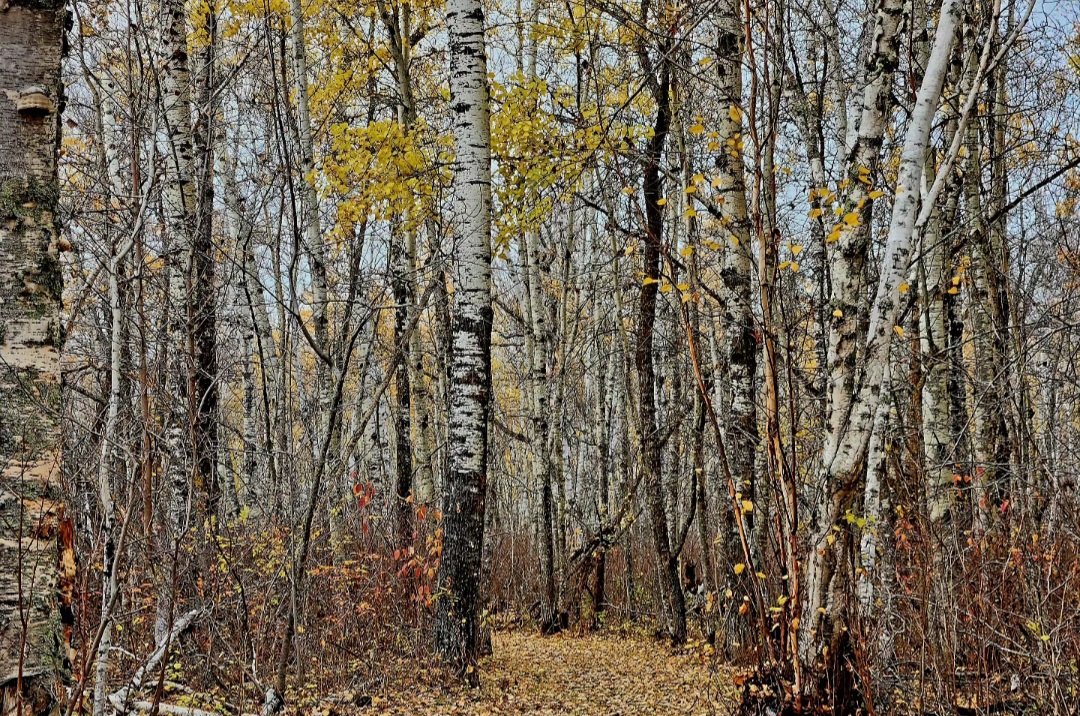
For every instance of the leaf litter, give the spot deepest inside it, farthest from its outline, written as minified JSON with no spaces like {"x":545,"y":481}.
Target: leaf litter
{"x":593,"y":675}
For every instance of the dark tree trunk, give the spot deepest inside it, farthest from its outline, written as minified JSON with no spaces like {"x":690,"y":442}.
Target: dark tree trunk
{"x":403,"y":466}
{"x":650,"y":438}
{"x":202,"y":308}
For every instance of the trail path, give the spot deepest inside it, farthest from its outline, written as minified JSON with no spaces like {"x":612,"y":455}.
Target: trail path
{"x":600,"y":675}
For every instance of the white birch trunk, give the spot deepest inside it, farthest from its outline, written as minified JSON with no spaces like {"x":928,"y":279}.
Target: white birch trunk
{"x":109,"y":457}
{"x":457,"y":618}
{"x":847,"y":257}
{"x":933,"y":344}
{"x":875,"y":471}
{"x":536,"y":312}
{"x":37,"y":568}
{"x":847,"y":441}
{"x":737,"y":271}
{"x":179,"y":204}
{"x":310,"y":223}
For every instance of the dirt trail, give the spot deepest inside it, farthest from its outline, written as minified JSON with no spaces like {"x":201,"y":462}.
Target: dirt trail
{"x":589,"y":676}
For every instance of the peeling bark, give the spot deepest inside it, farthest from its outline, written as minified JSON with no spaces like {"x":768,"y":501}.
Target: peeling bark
{"x":37,"y":567}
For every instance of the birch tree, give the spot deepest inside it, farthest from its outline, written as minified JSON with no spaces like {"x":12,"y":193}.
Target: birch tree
{"x":179,"y":205}
{"x":736,"y":273}
{"x":457,"y":621}
{"x":846,"y":443}
{"x":36,"y":537}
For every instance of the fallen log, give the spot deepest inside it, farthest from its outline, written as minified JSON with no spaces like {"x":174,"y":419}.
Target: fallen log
{"x":121,"y":697}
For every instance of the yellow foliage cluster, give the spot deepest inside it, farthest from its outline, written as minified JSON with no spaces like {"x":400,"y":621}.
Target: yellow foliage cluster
{"x":379,"y":171}
{"x":538,"y":159}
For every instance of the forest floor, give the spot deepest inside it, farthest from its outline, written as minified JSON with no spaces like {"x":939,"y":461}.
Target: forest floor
{"x":595,"y":675}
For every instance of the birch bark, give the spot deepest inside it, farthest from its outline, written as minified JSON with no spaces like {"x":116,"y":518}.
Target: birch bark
{"x":457,"y":620}
{"x":846,"y":260}
{"x":36,"y":558}
{"x":847,"y":442}
{"x":737,"y":311}
{"x":310,"y":224}
{"x":538,"y":348}
{"x":179,"y":205}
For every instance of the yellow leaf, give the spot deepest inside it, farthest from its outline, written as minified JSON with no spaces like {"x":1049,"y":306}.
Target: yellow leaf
{"x":683,"y":286}
{"x":735,"y":113}
{"x":696,"y":129}
{"x":628,"y":190}
{"x":691,"y":189}
{"x":665,"y":287}
{"x":690,"y":213}
{"x":697,"y":178}
{"x":816,"y":212}
{"x":838,"y":313}
{"x":686,"y":251}
{"x":794,"y":267}
{"x":649,"y":281}
{"x":898,"y":330}
{"x":740,"y":568}
{"x":747,"y":507}
{"x":903,"y":287}
{"x":851,"y":218}
{"x":796,"y":249}
{"x":877,"y":194}
{"x":662,"y":201}
{"x":953,"y":290}
{"x":833,"y":236}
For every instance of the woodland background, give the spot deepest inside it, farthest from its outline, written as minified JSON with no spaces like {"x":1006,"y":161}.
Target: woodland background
{"x":783,"y":342}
